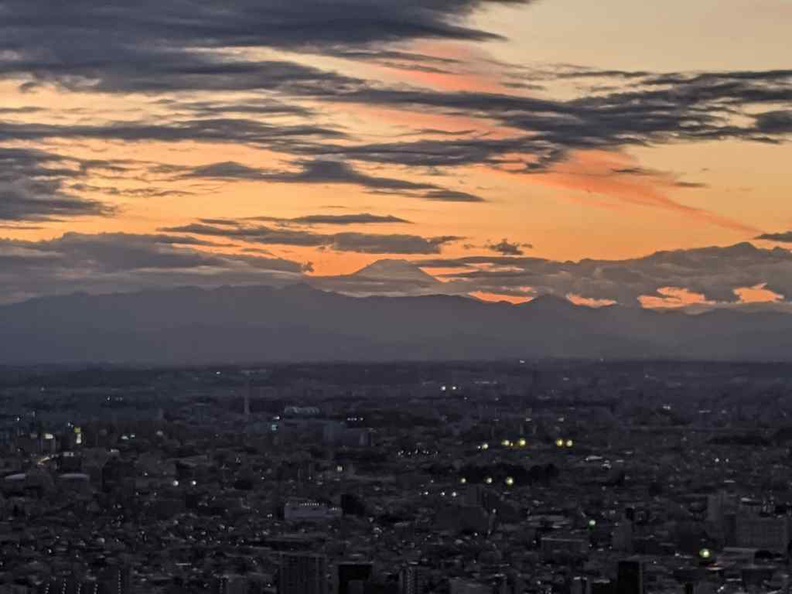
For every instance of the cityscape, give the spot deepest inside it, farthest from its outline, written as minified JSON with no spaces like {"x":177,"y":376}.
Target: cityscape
{"x":469,"y":478}
{"x":395,"y":297}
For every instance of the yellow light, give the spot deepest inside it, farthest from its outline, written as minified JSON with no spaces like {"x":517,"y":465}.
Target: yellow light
{"x":509,"y":481}
{"x":505,"y":443}
{"x":569,"y":443}
{"x":560,"y":442}
{"x":484,"y":446}
{"x":463,"y":480}
{"x":705,"y":553}
{"x":523,"y":442}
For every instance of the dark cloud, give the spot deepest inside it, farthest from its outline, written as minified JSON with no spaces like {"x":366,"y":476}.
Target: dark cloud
{"x":336,"y":172}
{"x":153,"y":46}
{"x":775,"y":122}
{"x":324,"y":171}
{"x":451,"y":196}
{"x":341,"y":220}
{"x":124,"y":262}
{"x":365,"y":243}
{"x":228,"y":170}
{"x":214,"y":108}
{"x":652,"y":109}
{"x":220,"y":130}
{"x":33,"y":187}
{"x":121,"y":262}
{"x":429,"y":152}
{"x":141,"y":192}
{"x":714,"y":272}
{"x":43,"y":201}
{"x":507,"y":248}
{"x":785,"y":237}
{"x":157,"y":48}
{"x":400,"y":59}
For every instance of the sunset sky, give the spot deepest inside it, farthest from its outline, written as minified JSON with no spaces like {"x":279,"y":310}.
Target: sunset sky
{"x":509,"y":148}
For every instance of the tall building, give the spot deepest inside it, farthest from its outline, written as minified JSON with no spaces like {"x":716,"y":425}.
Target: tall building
{"x":230,"y":584}
{"x":117,"y":473}
{"x":630,"y":578}
{"x":302,"y":574}
{"x":246,"y":411}
{"x":771,"y":533}
{"x":115,"y":579}
{"x":413,"y":579}
{"x":352,"y":577}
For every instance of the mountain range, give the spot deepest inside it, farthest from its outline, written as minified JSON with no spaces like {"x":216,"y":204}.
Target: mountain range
{"x":304,"y":323}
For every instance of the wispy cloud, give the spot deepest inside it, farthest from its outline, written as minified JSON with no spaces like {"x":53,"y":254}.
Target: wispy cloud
{"x":323,"y":171}
{"x":364,"y":243}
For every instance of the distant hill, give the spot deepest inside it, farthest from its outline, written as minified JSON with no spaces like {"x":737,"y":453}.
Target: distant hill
{"x":303,"y":323}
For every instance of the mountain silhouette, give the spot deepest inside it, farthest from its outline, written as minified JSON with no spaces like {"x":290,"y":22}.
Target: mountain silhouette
{"x":383,"y":277}
{"x":303,"y":323}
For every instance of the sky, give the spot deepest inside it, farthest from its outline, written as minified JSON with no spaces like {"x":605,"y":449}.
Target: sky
{"x":609,"y":152}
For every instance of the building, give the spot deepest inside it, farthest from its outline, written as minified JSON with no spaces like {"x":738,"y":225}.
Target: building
{"x":563,"y":549}
{"x":413,"y":579}
{"x":310,"y":511}
{"x":769,"y":533}
{"x":230,"y":584}
{"x":302,"y":574}
{"x":460,"y":586}
{"x":115,"y":579}
{"x":352,"y":577}
{"x":630,"y":577}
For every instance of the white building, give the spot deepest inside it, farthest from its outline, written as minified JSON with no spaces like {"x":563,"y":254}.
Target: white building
{"x":309,"y":511}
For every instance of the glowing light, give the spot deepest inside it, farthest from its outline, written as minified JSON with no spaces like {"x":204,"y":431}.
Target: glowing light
{"x":569,"y":443}
{"x":509,"y":481}
{"x":559,"y":442}
{"x":505,"y":443}
{"x":463,"y":480}
{"x":175,"y":483}
{"x":485,"y":446}
{"x":339,"y":468}
{"x":705,"y":553}
{"x":488,"y":480}
{"x":523,"y":442}
{"x":592,"y":523}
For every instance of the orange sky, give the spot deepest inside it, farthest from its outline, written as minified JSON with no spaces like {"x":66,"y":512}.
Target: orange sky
{"x":609,"y":189}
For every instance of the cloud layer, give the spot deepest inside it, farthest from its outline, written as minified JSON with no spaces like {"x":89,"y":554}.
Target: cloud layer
{"x":714,"y":273}
{"x":363,"y":243}
{"x":118,"y":262}
{"x":228,"y":93}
